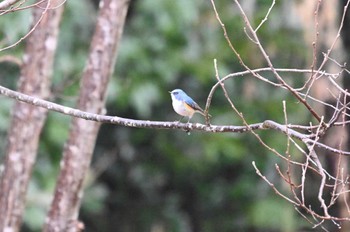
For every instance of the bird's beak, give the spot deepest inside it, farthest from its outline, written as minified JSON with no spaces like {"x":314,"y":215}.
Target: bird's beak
{"x":169,"y":91}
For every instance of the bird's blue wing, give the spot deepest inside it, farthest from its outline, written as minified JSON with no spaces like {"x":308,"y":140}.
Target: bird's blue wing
{"x":189,"y":101}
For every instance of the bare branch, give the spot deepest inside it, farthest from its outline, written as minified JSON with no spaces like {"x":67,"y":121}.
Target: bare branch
{"x":7,"y":3}
{"x":266,"y":16}
{"x":278,"y":77}
{"x":31,"y":30}
{"x":119,"y":120}
{"x":273,"y":186}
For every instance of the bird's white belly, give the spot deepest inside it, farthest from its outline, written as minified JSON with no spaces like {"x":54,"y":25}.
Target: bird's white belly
{"x":181,"y":109}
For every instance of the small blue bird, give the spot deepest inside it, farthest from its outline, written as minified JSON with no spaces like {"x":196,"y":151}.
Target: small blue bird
{"x":184,"y":105}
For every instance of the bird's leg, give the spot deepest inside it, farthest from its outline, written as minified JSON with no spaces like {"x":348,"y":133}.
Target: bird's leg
{"x":188,"y":131}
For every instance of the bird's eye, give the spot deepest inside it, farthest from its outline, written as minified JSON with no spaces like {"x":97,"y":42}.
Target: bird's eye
{"x":175,"y":93}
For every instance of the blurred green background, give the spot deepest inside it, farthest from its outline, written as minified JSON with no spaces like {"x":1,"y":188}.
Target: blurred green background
{"x":167,"y":180}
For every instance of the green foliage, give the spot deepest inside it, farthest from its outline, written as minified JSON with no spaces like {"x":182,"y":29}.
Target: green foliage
{"x":167,"y":178}
{"x":274,"y":214}
{"x":12,"y":32}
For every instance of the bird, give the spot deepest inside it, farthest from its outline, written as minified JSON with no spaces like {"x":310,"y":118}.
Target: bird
{"x":184,"y":105}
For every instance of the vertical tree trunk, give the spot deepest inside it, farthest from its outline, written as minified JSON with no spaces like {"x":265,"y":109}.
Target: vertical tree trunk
{"x":79,"y":147}
{"x":27,"y":120}
{"x":344,"y":200}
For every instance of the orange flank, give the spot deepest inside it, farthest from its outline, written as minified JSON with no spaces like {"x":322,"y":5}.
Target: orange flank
{"x":194,"y":108}
{"x":188,"y":107}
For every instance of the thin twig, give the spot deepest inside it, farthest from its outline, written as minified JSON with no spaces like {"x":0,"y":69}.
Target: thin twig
{"x":266,"y":16}
{"x":31,"y":30}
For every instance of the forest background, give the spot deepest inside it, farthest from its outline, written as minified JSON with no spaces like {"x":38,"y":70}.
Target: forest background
{"x":172,"y":180}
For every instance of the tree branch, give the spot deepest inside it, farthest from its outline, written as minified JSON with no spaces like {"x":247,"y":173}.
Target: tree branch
{"x":7,"y":3}
{"x":268,"y":124}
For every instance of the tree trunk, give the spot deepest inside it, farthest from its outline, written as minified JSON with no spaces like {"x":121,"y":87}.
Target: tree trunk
{"x":79,"y":147}
{"x":27,"y":120}
{"x":344,"y":200}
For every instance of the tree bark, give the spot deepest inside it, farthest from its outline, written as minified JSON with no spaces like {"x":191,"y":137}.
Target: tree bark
{"x":344,"y":200}
{"x":78,"y":150}
{"x":27,"y":120}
